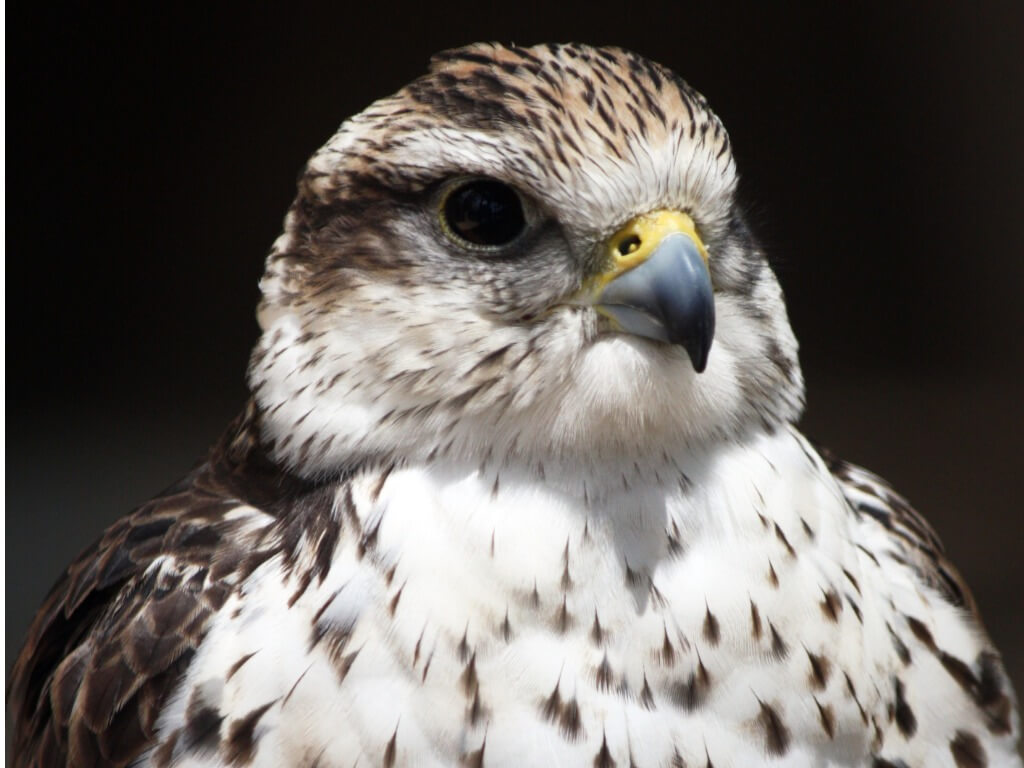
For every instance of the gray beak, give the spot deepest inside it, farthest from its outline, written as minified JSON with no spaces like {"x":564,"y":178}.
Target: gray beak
{"x":667,"y":298}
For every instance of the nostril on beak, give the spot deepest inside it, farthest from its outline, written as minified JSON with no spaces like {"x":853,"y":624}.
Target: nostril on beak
{"x":629,"y":245}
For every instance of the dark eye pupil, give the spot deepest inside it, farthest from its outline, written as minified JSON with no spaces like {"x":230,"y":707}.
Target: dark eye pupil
{"x":485,"y":213}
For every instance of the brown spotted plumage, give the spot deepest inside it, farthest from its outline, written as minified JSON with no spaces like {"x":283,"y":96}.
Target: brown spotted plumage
{"x":518,"y":482}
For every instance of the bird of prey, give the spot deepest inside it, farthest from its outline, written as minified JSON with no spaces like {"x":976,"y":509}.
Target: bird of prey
{"x":518,"y":483}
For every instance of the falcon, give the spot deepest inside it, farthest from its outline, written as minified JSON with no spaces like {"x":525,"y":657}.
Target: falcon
{"x":518,"y":483}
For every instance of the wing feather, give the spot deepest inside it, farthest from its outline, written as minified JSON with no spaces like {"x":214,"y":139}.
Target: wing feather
{"x":916,"y":543}
{"x":120,"y":627}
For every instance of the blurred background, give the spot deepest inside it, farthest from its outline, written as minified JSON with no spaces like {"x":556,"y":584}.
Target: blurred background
{"x":151,"y":157}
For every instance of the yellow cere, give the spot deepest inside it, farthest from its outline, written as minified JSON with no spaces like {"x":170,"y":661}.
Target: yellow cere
{"x":632,"y":245}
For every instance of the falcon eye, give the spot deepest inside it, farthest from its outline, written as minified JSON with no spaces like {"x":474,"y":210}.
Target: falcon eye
{"x":482,"y":213}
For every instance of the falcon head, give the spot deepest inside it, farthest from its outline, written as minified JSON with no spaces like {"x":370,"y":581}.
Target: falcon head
{"x":527,"y":252}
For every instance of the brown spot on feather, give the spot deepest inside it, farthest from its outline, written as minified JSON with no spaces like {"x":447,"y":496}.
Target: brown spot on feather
{"x":474,"y":759}
{"x":755,"y":621}
{"x":853,"y":694}
{"x":922,"y":633}
{"x":295,"y":685}
{"x":603,"y":674}
{"x":821,"y":668}
{"x":393,"y":604}
{"x":552,"y":705}
{"x":563,"y":619}
{"x":779,"y":648}
{"x":202,"y":724}
{"x":667,"y":653}
{"x":391,"y":750}
{"x":570,"y":723}
{"x":596,"y":632}
{"x":238,"y":665}
{"x":827,"y":718}
{"x":776,"y":735}
{"x":901,"y":711}
{"x":240,"y":746}
{"x":469,"y":680}
{"x":604,"y":755}
{"x":967,"y":751}
{"x":785,"y":542}
{"x":711,"y":629}
{"x":691,"y":694}
{"x":901,"y":648}
{"x":646,"y":696}
{"x":831,"y":605}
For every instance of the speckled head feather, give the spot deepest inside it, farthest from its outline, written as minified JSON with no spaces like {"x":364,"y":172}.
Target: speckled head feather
{"x":382,"y":336}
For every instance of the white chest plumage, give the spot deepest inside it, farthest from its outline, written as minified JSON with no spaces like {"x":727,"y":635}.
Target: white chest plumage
{"x":717,"y":616}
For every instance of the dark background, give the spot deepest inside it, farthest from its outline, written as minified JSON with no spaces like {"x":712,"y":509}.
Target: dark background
{"x":150,"y":159}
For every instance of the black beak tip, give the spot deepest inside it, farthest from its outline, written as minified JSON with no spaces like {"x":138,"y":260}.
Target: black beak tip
{"x":698,"y":348}
{"x":696,"y":334}
{"x":699,"y":358}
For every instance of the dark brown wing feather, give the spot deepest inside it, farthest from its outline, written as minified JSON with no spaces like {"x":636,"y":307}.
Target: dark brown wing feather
{"x":121,"y":625}
{"x":915,"y":541}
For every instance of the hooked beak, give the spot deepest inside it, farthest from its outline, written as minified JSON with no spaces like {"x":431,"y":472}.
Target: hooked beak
{"x":656,"y":284}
